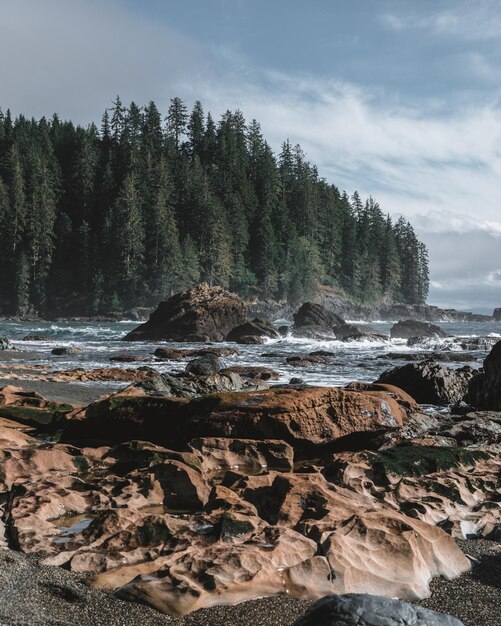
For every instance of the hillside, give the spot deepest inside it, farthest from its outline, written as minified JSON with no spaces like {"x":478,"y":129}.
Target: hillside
{"x":103,"y":219}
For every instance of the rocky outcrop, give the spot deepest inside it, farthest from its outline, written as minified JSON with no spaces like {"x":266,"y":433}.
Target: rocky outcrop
{"x":255,"y":328}
{"x":65,"y":351}
{"x":404,"y":329}
{"x":217,"y":517}
{"x":29,"y":408}
{"x":313,"y":320}
{"x":352,"y":332}
{"x":485,"y":389}
{"x":308,"y":419}
{"x":5,"y":344}
{"x":178,"y":354}
{"x":430,"y":382}
{"x":497,"y":314}
{"x":204,"y":365}
{"x":200,"y":314}
{"x":364,"y":610}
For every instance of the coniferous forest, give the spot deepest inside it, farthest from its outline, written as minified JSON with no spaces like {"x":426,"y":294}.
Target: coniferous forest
{"x":103,"y":219}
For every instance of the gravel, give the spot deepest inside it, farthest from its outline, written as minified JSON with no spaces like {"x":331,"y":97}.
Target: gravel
{"x":35,"y":595}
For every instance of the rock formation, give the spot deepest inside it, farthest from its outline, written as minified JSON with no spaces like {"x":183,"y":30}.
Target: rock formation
{"x":430,"y":382}
{"x":404,"y":329}
{"x":485,"y":389}
{"x":200,"y":314}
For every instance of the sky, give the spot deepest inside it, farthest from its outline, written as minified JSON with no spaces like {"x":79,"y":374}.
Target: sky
{"x":397,"y":99}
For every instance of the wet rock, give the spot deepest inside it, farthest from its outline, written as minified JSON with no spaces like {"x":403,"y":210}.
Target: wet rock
{"x":204,"y":365}
{"x":178,"y":354}
{"x":255,"y":328}
{"x":313,"y":320}
{"x":306,"y":360}
{"x":412,"y":328}
{"x":424,"y":356}
{"x":251,"y":340}
{"x":252,"y":372}
{"x":125,"y":358}
{"x":497,"y":314}
{"x":283,"y":331}
{"x":352,"y":332}
{"x":296,"y":381}
{"x":304,"y":418}
{"x":65,"y":351}
{"x":203,"y":313}
{"x":485,"y":389}
{"x":190,"y":386}
{"x":36,"y":338}
{"x":366,"y":610}
{"x":430,"y":382}
{"x":5,"y":344}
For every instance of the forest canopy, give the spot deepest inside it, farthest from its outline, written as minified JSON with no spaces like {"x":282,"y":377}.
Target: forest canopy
{"x":103,"y":219}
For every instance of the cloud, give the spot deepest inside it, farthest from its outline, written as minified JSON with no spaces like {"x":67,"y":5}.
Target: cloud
{"x":480,"y":20}
{"x":438,"y":163}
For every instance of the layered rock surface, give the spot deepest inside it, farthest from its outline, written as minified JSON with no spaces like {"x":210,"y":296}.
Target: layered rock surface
{"x":231,"y":498}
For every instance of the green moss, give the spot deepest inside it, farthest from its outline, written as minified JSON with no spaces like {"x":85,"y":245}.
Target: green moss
{"x":27,"y":414}
{"x":231,"y":527}
{"x":423,"y":460}
{"x":81,"y":463}
{"x":451,"y":492}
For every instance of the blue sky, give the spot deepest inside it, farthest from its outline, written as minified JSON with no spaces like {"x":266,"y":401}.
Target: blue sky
{"x":396,"y":98}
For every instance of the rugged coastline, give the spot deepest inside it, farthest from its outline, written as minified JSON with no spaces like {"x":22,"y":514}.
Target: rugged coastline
{"x":159,"y":478}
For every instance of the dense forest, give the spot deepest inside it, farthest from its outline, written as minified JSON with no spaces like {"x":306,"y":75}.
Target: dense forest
{"x":103,"y":219}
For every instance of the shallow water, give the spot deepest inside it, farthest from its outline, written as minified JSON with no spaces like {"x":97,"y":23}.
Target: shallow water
{"x":352,"y":361}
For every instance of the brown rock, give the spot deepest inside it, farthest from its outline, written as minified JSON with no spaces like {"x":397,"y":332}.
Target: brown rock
{"x":202,"y":313}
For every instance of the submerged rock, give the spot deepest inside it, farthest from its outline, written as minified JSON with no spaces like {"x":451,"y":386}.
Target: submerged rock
{"x":430,"y":382}
{"x":200,"y":314}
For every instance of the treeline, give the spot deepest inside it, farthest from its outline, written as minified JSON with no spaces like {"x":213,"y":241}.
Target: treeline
{"x":99,"y":219}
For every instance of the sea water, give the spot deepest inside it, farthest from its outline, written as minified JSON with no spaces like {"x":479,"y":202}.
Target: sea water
{"x":354,"y":360}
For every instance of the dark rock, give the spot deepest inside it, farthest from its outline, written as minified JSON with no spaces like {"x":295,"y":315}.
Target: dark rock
{"x":284,"y":330}
{"x":485,"y":389}
{"x":36,"y":338}
{"x":200,"y":314}
{"x":177,"y":354}
{"x":204,"y":365}
{"x":352,"y":332}
{"x":188,"y":386}
{"x":5,"y":344}
{"x":424,"y":356}
{"x":356,"y":609}
{"x":253,"y":372}
{"x":296,"y":381}
{"x":322,"y":353}
{"x":306,"y":360}
{"x":404,"y":329}
{"x":255,"y":328}
{"x":251,"y":340}
{"x":125,"y":358}
{"x":313,"y":320}
{"x":497,"y":314}
{"x":276,"y":355}
{"x":65,"y":351}
{"x":429,"y":382}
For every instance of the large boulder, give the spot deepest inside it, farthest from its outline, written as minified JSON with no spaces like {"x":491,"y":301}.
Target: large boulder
{"x":430,"y":382}
{"x":313,"y":320}
{"x":404,"y":329}
{"x":204,"y":365}
{"x":485,"y":389}
{"x":497,"y":314}
{"x":254,"y":328}
{"x":356,"y":609}
{"x":307,"y":419}
{"x":200,"y":314}
{"x":354,"y":332}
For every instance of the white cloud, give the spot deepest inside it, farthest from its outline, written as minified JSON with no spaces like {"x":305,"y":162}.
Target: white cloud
{"x":479,"y":20}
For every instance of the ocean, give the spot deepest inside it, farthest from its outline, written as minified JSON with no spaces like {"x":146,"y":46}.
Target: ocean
{"x":351,"y":360}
